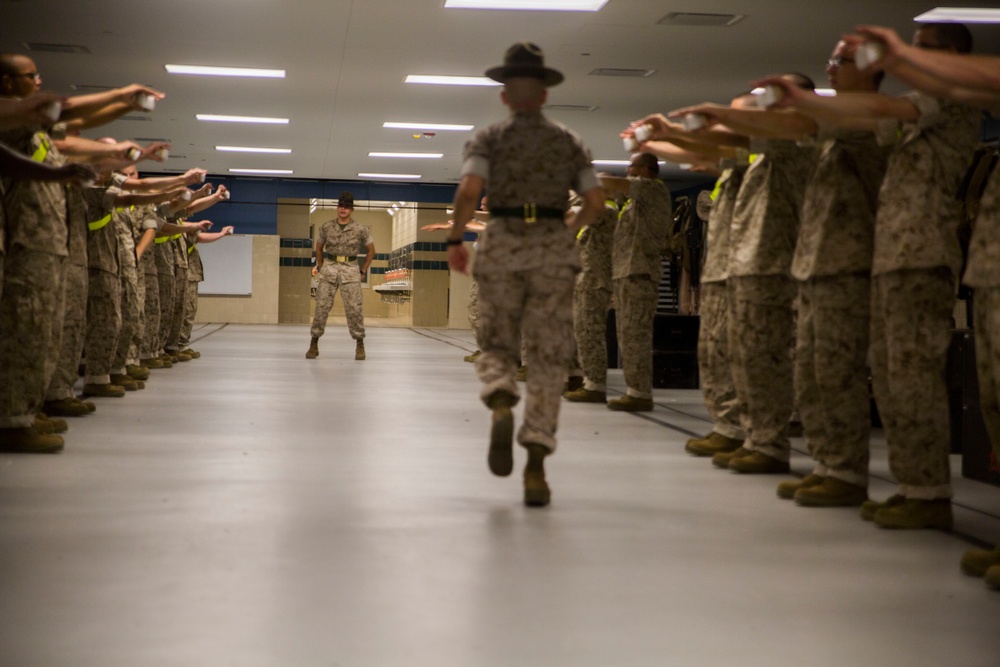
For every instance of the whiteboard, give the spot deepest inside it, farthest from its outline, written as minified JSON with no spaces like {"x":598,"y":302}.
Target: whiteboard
{"x":228,"y":266}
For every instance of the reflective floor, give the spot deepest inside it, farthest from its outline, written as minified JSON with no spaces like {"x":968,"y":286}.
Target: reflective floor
{"x":255,"y":508}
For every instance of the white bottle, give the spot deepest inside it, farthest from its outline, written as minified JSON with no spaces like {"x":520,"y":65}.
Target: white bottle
{"x":868,"y":53}
{"x":145,"y":101}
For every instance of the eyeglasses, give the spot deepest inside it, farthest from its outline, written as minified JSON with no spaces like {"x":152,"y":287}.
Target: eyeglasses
{"x":837,"y":62}
{"x":34,"y":75}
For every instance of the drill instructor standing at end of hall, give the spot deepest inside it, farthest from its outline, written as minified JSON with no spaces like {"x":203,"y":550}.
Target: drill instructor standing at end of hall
{"x":337,"y":246}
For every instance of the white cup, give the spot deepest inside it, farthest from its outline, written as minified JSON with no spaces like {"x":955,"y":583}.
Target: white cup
{"x":768,"y":97}
{"x":868,"y":53}
{"x":52,"y":111}
{"x":133,"y":154}
{"x":225,"y":195}
{"x":163,"y":153}
{"x":186,"y":195}
{"x":643,"y":133}
{"x":145,"y":101}
{"x":694,"y":121}
{"x":630,"y":144}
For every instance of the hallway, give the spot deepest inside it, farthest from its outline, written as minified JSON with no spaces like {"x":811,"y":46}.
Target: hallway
{"x":252,"y":508}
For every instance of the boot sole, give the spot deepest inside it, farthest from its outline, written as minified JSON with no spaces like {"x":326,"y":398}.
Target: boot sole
{"x":537,"y":497}
{"x":501,"y":454}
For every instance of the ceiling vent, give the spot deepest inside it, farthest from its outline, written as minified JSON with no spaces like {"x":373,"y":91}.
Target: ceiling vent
{"x":570,"y":107}
{"x":55,"y":48}
{"x":701,"y":20}
{"x":619,"y":71}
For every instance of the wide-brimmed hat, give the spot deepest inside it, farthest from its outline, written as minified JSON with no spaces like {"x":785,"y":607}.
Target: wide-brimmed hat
{"x":346,"y":199}
{"x":525,"y":59}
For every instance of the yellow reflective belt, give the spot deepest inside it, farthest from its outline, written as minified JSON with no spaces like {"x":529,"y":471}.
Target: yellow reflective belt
{"x":624,"y":206}
{"x":752,"y":157}
{"x":98,"y":224}
{"x":715,"y":190}
{"x":191,"y":248}
{"x":161,"y":239}
{"x":43,"y":149}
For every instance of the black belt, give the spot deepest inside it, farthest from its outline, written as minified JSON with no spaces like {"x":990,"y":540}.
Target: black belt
{"x":339,"y":258}
{"x":528,"y":212}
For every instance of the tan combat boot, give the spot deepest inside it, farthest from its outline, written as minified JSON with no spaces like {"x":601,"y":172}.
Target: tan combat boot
{"x":584,"y":395}
{"x":137,"y":372}
{"x":787,"y":489}
{"x":313,"y":350}
{"x":536,"y":489}
{"x":712,"y":444}
{"x":501,"y":453}
{"x":471,"y":358}
{"x":104,"y":390}
{"x":629,"y":403}
{"x":832,"y":492}
{"x":758,"y":463}
{"x":913,"y":513}
{"x":65,"y":407}
{"x":125,"y":381}
{"x":975,"y":562}
{"x":359,"y":350}
{"x":28,"y":441}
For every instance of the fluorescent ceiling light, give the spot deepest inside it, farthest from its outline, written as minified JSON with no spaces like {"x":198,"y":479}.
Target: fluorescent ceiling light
{"x":424,"y":156}
{"x":240,"y":119}
{"x":543,"y":5}
{"x":452,"y":80}
{"x":225,"y":71}
{"x":366,"y":174}
{"x":617,"y":163}
{"x":251,"y":149}
{"x":439,"y":127}
{"x":261,"y":171}
{"x":962,"y":14}
{"x":826,"y":92}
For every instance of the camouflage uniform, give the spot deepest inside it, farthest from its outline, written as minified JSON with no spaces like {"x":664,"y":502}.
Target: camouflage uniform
{"x":165,"y":277}
{"x":592,"y":297}
{"x":195,"y":275}
{"x":833,"y":265}
{"x":74,"y":301}
{"x":131,"y":303}
{"x":31,"y":308}
{"x":983,"y":274}
{"x":104,"y":317}
{"x":762,"y":240}
{"x":526,"y":269}
{"x":715,"y":365}
{"x":340,"y":240}
{"x":148,"y":334}
{"x":179,"y":247}
{"x":638,"y":239}
{"x":915,"y":265}
{"x":473,"y":306}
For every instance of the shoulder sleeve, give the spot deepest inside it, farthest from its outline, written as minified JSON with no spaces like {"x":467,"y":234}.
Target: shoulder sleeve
{"x":475,"y":157}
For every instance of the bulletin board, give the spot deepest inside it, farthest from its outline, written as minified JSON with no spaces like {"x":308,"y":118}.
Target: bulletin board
{"x":228,"y":266}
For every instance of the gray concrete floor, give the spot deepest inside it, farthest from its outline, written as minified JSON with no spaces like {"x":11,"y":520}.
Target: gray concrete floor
{"x":255,"y":508}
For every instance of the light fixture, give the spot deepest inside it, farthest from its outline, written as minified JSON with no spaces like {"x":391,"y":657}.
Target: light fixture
{"x":617,"y":163}
{"x":313,"y":205}
{"x":250,"y":149}
{"x":366,"y":174}
{"x":390,"y":211}
{"x":826,"y":92}
{"x":284,"y":172}
{"x":533,"y":5}
{"x":445,"y":80}
{"x":432,"y":127}
{"x":240,"y":119}
{"x":424,"y":156}
{"x":395,"y":207}
{"x":960,"y":14}
{"x":203,"y":70}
